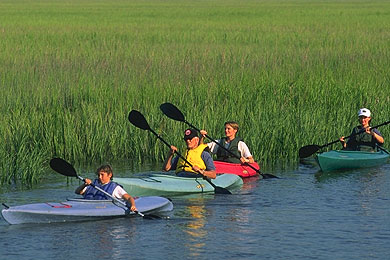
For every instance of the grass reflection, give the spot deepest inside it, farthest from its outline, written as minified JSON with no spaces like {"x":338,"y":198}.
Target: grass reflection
{"x":196,"y":227}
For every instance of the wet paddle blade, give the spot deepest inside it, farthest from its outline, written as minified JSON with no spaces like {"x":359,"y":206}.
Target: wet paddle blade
{"x":151,"y":216}
{"x":217,"y":189}
{"x":308,"y":150}
{"x":63,"y":167}
{"x":269,"y":176}
{"x":220,"y":190}
{"x":137,"y":119}
{"x":172,"y":112}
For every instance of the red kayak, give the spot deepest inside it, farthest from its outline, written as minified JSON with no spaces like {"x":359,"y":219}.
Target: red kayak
{"x":241,"y":170}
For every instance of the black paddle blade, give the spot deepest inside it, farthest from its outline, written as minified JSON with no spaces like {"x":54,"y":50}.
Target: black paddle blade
{"x":137,"y":119}
{"x":217,"y":189}
{"x":151,"y":216}
{"x":269,"y":176}
{"x":308,"y":150}
{"x":220,"y":190}
{"x":172,"y":112}
{"x":63,"y":167}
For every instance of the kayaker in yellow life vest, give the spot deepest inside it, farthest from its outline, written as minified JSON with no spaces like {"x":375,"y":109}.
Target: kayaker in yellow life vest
{"x":201,"y":161}
{"x":368,"y":140}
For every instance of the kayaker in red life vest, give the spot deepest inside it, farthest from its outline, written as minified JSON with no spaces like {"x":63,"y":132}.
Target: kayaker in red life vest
{"x":234,"y":144}
{"x":201,"y":161}
{"x":105,"y":175}
{"x":366,"y":141}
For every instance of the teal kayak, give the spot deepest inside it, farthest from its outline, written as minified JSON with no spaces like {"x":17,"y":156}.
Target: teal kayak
{"x":169,"y":184}
{"x":81,"y":210}
{"x":342,"y":159}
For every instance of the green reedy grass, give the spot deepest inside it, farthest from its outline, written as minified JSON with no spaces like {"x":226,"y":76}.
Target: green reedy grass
{"x":290,"y":72}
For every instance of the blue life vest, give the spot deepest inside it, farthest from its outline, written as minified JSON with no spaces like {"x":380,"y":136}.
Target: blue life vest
{"x":93,"y":194}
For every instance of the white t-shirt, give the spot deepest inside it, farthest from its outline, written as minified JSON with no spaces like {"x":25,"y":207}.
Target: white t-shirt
{"x":242,"y":147}
{"x":118,"y":192}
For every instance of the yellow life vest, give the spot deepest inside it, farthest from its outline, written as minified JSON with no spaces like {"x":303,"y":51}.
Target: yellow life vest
{"x":194,"y":157}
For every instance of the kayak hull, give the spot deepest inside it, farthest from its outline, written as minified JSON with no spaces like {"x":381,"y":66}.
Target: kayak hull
{"x":343,"y":160}
{"x":81,"y":210}
{"x":242,"y":170}
{"x":169,"y":184}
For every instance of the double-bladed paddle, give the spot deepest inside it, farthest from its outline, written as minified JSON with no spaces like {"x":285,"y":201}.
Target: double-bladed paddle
{"x":310,"y":149}
{"x":138,"y":120}
{"x":63,"y":167}
{"x":174,"y":113}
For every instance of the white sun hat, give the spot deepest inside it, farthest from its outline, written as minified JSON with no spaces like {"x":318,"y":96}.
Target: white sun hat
{"x":364,"y":112}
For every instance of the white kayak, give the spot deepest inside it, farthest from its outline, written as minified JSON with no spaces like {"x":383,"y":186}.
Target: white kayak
{"x":82,"y":210}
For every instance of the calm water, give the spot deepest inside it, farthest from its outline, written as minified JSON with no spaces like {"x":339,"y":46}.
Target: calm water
{"x":303,"y":215}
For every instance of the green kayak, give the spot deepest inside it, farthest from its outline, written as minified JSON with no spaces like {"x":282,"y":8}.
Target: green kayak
{"x":170,"y":184}
{"x":342,"y":159}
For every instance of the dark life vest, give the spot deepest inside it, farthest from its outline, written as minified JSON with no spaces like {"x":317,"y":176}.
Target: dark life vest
{"x":225,"y":156}
{"x":362,"y":141}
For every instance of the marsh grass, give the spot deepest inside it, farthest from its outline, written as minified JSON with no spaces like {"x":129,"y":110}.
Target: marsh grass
{"x":290,"y":72}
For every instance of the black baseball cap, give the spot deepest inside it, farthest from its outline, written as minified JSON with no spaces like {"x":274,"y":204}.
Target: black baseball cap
{"x":190,"y":133}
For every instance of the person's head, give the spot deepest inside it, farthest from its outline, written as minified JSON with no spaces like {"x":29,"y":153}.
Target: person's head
{"x":105,"y":173}
{"x":231,"y":129}
{"x":191,"y":138}
{"x":364,"y":115}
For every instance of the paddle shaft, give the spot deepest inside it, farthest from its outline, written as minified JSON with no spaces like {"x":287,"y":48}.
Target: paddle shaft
{"x":383,"y":149}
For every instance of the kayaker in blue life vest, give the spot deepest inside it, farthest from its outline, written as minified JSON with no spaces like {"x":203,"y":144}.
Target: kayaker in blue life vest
{"x":232,"y":143}
{"x":105,"y":175}
{"x":368,"y":139}
{"x":201,"y":161}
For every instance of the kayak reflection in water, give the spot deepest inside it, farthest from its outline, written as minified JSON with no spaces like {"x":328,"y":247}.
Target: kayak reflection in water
{"x":368,"y":140}
{"x":200,"y":160}
{"x":235,"y":146}
{"x":105,"y":175}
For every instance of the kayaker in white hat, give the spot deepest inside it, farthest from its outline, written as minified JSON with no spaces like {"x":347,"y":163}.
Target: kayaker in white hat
{"x":368,"y":139}
{"x":104,"y":181}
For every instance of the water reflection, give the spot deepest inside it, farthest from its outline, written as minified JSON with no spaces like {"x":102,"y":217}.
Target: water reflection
{"x":196,"y":227}
{"x":250,"y":183}
{"x":107,"y":239}
{"x":340,"y":174}
{"x":242,"y":217}
{"x":364,"y":194}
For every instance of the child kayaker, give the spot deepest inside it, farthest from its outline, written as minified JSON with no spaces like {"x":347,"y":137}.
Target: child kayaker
{"x":104,"y":181}
{"x":368,"y":139}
